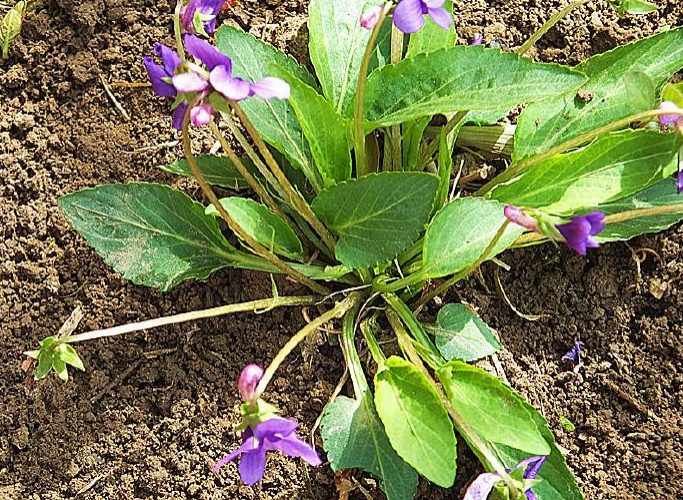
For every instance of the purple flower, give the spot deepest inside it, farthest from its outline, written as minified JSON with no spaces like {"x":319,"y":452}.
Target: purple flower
{"x":161,"y":75}
{"x":206,"y":10}
{"x":517,"y":216}
{"x":271,"y":435}
{"x":679,"y":181}
{"x":409,"y":15}
{"x":249,"y":379}
{"x":371,"y":16}
{"x":579,"y":233}
{"x":669,"y":120}
{"x":574,"y":354}
{"x":483,"y":485}
{"x":478,"y":39}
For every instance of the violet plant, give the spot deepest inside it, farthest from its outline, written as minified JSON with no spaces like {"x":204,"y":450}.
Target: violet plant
{"x":347,"y":186}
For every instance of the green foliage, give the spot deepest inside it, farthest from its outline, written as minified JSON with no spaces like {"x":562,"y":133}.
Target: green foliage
{"x":377,"y":216}
{"x":265,"y":226}
{"x":614,"y":166}
{"x":624,"y":7}
{"x":354,"y":437}
{"x":460,"y":233}
{"x":275,"y":120}
{"x":603,"y":99}
{"x":491,"y":408}
{"x":673,"y":92}
{"x":432,"y":36}
{"x":416,"y":423}
{"x":217,"y":171}
{"x":10,"y":28}
{"x":460,"y":79}
{"x":55,"y":355}
{"x":461,"y":334}
{"x":152,"y":234}
{"x":324,"y":128}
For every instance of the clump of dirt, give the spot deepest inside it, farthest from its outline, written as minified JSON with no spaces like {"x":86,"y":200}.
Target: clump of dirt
{"x":153,"y":411}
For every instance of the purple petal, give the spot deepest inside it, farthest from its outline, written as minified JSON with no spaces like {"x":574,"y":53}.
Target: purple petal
{"x":668,"y":120}
{"x":482,"y":486}
{"x":530,"y":495}
{"x":275,"y":427}
{"x":206,"y":53}
{"x":371,"y":16}
{"x":246,"y":446}
{"x":434,"y":4}
{"x":271,"y":88}
{"x":169,"y":58}
{"x":156,"y":73}
{"x":478,"y":39}
{"x":201,"y":115}
{"x":597,"y":222}
{"x":533,"y":466}
{"x":178,"y":116}
{"x":679,"y":182}
{"x":292,"y":446}
{"x":189,"y":82}
{"x":231,"y":87}
{"x":252,"y":465}
{"x":187,"y":16}
{"x":441,"y":17}
{"x":249,"y":379}
{"x":576,"y":234}
{"x":408,"y":16}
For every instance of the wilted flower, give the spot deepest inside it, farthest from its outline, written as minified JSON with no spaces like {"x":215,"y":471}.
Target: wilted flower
{"x":371,"y":16}
{"x":249,"y":379}
{"x":202,"y":12}
{"x":670,"y":120}
{"x":574,"y":354}
{"x":579,"y":234}
{"x":478,"y":39}
{"x":409,"y":15}
{"x":482,"y":486}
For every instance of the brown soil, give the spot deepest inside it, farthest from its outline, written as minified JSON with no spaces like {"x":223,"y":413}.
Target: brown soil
{"x":153,"y":411}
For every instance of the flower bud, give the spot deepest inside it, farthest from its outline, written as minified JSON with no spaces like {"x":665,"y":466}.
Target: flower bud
{"x":201,"y":115}
{"x":249,"y":379}
{"x":668,"y":120}
{"x":517,"y":216}
{"x":371,"y":16}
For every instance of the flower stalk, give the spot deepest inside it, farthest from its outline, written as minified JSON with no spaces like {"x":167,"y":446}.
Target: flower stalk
{"x":556,"y":18}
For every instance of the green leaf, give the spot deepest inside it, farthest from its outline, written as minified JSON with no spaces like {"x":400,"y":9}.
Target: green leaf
{"x":614,"y":166}
{"x":460,"y":233}
{"x":661,"y":194}
{"x":274,"y":120}
{"x":265,"y":226}
{"x":69,"y":355}
{"x":459,"y":79}
{"x":432,"y":36}
{"x":640,"y":90}
{"x":445,"y":162}
{"x":673,"y":92}
{"x":337,"y":43}
{"x":217,"y":171}
{"x":635,"y":7}
{"x":152,"y":234}
{"x":45,"y":362}
{"x":603,"y":99}
{"x":416,"y":423}
{"x":10,"y":29}
{"x":354,"y":437}
{"x":413,"y":131}
{"x":324,"y":128}
{"x":491,"y":408}
{"x":377,"y":216}
{"x":461,"y":334}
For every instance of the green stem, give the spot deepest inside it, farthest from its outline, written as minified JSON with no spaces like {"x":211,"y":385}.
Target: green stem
{"x":296,"y":200}
{"x":561,"y":14}
{"x":360,"y":384}
{"x":475,"y":442}
{"x":259,"y":249}
{"x":379,"y":285}
{"x":466,"y":272}
{"x":524,"y":165}
{"x":432,"y":147}
{"x":368,"y":327}
{"x":337,"y":312}
{"x":395,"y":142}
{"x":496,"y":139}
{"x":178,"y":31}
{"x":359,"y":122}
{"x":253,"y":306}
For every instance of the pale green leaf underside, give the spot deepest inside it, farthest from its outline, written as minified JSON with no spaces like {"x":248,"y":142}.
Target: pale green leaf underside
{"x":461,"y":334}
{"x":416,"y":423}
{"x":458,"y":79}
{"x":614,"y":166}
{"x":460,"y":233}
{"x":354,"y":437}
{"x":324,"y":128}
{"x":275,"y":120}
{"x":376,"y":216}
{"x":550,"y":123}
{"x":661,"y":194}
{"x":152,"y":234}
{"x":266,"y":227}
{"x":491,"y":408}
{"x":217,"y":171}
